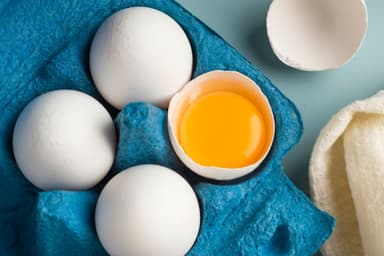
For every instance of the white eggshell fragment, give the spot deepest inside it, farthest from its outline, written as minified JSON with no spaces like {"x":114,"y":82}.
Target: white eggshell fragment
{"x":212,"y":81}
{"x":140,"y":54}
{"x":147,"y":210}
{"x":64,"y":139}
{"x":316,"y":35}
{"x":346,"y":177}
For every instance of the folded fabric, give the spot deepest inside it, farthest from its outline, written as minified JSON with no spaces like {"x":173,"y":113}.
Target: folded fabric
{"x":44,"y":46}
{"x":346,"y":172}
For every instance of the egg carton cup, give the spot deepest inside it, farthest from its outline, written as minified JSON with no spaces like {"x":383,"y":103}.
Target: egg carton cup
{"x":45,"y":46}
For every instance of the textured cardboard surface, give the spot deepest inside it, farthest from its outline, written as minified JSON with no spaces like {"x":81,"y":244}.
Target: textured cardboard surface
{"x":44,"y":46}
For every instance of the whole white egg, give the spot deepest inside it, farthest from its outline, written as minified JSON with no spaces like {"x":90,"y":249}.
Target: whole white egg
{"x":64,"y":139}
{"x":147,"y":210}
{"x":140,"y":54}
{"x":221,"y":81}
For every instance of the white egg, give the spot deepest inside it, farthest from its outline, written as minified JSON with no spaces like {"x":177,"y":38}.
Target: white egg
{"x":219,"y":81}
{"x":140,"y":54}
{"x":316,"y":35}
{"x":147,"y":210}
{"x":64,"y":139}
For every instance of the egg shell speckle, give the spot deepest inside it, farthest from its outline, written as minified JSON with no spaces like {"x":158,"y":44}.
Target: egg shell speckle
{"x":61,"y":61}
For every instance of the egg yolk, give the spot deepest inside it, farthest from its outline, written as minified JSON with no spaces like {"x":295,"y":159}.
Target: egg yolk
{"x":223,"y":129}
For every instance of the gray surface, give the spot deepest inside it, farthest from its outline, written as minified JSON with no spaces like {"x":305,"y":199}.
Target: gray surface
{"x":318,"y":95}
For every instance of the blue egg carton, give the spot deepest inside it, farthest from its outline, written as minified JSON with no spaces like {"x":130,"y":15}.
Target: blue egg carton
{"x":44,"y":46}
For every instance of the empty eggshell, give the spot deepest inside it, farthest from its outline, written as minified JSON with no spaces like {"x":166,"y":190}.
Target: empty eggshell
{"x":140,"y":54}
{"x":65,"y":140}
{"x":230,"y":81}
{"x":316,"y":35}
{"x":147,"y":210}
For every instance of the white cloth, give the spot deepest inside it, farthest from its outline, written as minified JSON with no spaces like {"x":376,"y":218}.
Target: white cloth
{"x":347,"y":172}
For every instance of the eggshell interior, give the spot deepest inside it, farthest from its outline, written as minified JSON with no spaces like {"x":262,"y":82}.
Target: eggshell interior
{"x":198,"y":87}
{"x":316,"y":35}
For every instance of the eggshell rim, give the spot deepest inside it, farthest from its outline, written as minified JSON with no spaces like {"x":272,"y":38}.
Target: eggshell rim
{"x":214,"y":172}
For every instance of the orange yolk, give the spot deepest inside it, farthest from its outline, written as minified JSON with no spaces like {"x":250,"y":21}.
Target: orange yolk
{"x":223,"y":129}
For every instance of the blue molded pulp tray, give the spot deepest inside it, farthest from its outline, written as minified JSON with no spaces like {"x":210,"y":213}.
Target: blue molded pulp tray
{"x":44,"y":45}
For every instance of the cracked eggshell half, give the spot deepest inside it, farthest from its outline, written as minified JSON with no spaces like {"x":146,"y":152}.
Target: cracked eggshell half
{"x":315,"y":35}
{"x":220,"y":81}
